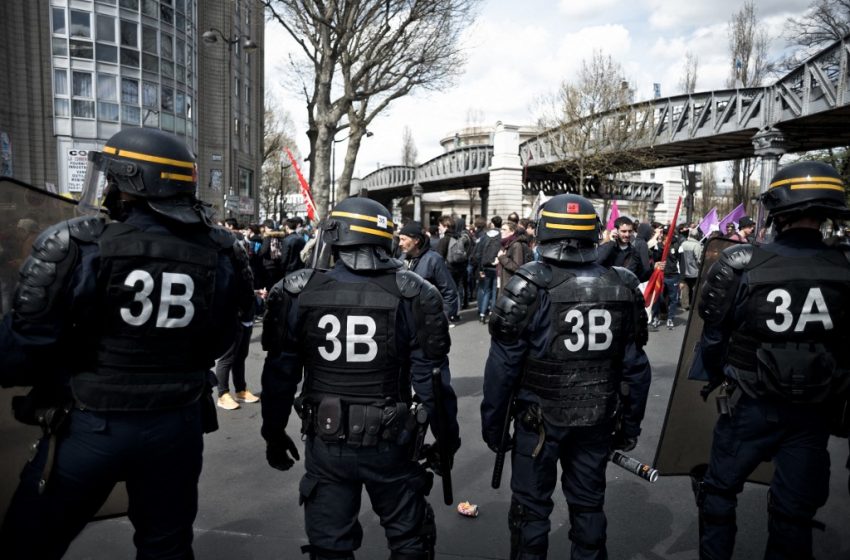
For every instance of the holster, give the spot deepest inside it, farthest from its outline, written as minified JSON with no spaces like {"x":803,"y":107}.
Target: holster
{"x":728,"y":397}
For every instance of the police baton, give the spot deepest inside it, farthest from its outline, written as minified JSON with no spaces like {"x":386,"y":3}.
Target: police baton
{"x":499,"y":465}
{"x":441,"y":433}
{"x":643,"y":470}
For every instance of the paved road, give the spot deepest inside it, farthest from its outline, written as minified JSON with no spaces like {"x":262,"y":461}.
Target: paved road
{"x":250,"y":511}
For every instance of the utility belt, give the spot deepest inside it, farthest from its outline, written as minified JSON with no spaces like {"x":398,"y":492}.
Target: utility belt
{"x":364,"y":424}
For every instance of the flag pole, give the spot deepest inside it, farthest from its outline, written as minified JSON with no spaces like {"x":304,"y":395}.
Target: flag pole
{"x":656,"y":281}
{"x":312,"y":212}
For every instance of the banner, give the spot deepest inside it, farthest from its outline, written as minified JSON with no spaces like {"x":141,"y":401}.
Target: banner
{"x":732,"y":217}
{"x":612,"y":216}
{"x":708,"y":223}
{"x":305,"y":189}
{"x":655,"y":286}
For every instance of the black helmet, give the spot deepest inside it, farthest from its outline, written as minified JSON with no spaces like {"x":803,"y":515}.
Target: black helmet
{"x":568,"y":216}
{"x":804,"y":186}
{"x":359,"y":221}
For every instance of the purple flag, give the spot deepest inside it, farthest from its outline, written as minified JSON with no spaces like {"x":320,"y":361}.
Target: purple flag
{"x":612,"y":215}
{"x":708,"y":222}
{"x":732,"y":217}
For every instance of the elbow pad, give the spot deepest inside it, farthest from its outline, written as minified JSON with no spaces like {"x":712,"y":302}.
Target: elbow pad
{"x":514,"y":310}
{"x":49,"y":266}
{"x":432,"y":325}
{"x":718,"y":292}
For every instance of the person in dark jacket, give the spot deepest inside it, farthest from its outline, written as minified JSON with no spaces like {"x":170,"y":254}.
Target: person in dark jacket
{"x":567,"y":339}
{"x":291,"y":246}
{"x":269,"y":253}
{"x":775,"y":341}
{"x":621,"y":250}
{"x":120,"y":323}
{"x":515,"y":252}
{"x":485,"y":258}
{"x":453,"y":232}
{"x":364,"y":333}
{"x":428,"y":264}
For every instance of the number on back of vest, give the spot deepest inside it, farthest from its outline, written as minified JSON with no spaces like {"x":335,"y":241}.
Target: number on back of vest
{"x":814,"y":311}
{"x":143,"y":283}
{"x":599,"y":335}
{"x":356,"y":338}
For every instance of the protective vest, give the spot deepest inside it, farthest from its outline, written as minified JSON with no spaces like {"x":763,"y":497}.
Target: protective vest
{"x":347,"y":332}
{"x":793,"y":339}
{"x":154,"y":321}
{"x":578,"y":377}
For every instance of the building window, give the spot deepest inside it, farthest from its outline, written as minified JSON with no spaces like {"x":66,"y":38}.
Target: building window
{"x":168,"y":99}
{"x":60,"y":82}
{"x":80,"y":24}
{"x":236,"y":128}
{"x":83,"y":109}
{"x":129,"y":114}
{"x":167,"y":69}
{"x":149,"y":42}
{"x":248,"y":95}
{"x":81,"y":49}
{"x":236,"y":86}
{"x":166,"y":14}
{"x":59,"y":21}
{"x":130,"y":5}
{"x":130,"y":57}
{"x":82,"y":84}
{"x":188,"y":106}
{"x":180,"y":104}
{"x":107,"y":53}
{"x":149,"y":95}
{"x":180,"y":5}
{"x":150,"y":63}
{"x":107,"y":111}
{"x":61,"y":107}
{"x":150,"y":8}
{"x":246,"y":179}
{"x":106,"y":88}
{"x":180,"y":22}
{"x":130,"y":91}
{"x":110,"y":2}
{"x":105,"y":28}
{"x":129,"y":34}
{"x":60,"y":46}
{"x":167,"y":45}
{"x":180,"y":51}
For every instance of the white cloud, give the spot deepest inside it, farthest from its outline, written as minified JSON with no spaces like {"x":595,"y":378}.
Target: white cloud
{"x":580,"y":9}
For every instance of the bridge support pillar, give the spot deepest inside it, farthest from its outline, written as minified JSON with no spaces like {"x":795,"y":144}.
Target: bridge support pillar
{"x":416,"y":191}
{"x":505,"y":189}
{"x":769,"y":144}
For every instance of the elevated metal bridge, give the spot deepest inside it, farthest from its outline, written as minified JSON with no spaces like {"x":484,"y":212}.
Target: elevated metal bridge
{"x":807,"y":109}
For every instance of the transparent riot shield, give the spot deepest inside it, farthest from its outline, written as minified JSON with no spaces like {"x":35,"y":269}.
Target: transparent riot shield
{"x":686,"y":436}
{"x":24,"y":212}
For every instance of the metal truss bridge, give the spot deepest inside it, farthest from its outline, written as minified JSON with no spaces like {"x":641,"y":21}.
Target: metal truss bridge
{"x":807,"y":109}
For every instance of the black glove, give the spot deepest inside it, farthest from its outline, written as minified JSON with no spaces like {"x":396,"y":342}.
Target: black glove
{"x":278,"y":453}
{"x":431,"y":453}
{"x":623,"y":443}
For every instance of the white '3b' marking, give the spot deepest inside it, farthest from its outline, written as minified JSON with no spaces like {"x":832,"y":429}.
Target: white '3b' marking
{"x":600,"y":328}
{"x":167,"y":299}
{"x":814,"y":311}
{"x":352,"y":339}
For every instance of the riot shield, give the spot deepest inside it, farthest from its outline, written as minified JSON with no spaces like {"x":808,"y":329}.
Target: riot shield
{"x":688,"y":429}
{"x":24,"y":212}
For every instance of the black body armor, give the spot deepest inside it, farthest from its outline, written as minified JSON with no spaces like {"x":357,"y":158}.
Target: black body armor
{"x":793,"y":339}
{"x":156,"y":301}
{"x":577,"y":379}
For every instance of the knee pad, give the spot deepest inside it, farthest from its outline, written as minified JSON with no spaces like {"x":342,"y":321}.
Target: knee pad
{"x":712,"y":519}
{"x":581,"y":539}
{"x":518,"y":516}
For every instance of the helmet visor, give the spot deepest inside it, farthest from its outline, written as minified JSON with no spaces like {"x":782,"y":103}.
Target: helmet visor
{"x":91,"y":198}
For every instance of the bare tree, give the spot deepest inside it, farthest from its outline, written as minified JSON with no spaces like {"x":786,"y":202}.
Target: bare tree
{"x":593,"y":125}
{"x":688,"y":80}
{"x":824,"y":22}
{"x":362,"y":55}
{"x":278,"y":181}
{"x":748,"y":44}
{"x":408,"y":147}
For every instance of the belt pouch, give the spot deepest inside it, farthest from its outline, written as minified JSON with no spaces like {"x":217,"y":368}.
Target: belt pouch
{"x":356,"y":424}
{"x":329,"y":419}
{"x":372,"y":426}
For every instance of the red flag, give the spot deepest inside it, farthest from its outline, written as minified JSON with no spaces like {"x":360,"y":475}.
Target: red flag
{"x":656,"y":282}
{"x":305,"y":189}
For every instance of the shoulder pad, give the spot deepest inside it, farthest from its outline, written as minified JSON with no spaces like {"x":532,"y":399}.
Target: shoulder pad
{"x":409,"y":283}
{"x":514,"y":309}
{"x":737,"y":256}
{"x":627,"y":276}
{"x":721,"y":283}
{"x":295,"y":281}
{"x":222,"y":237}
{"x":432,"y":325}
{"x":87,"y":228}
{"x":538,"y":273}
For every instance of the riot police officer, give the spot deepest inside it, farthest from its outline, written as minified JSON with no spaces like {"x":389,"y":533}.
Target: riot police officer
{"x":367,"y":331}
{"x":775,"y":335}
{"x":128,"y":317}
{"x":567,"y":341}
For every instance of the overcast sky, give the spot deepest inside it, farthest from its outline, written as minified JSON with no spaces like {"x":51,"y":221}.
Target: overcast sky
{"x":520,"y":50}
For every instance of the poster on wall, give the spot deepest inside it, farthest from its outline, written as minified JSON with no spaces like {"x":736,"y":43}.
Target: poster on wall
{"x":77,"y":162}
{"x":216,"y":179}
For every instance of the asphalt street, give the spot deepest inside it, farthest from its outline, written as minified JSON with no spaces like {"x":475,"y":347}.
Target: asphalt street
{"x":250,"y":511}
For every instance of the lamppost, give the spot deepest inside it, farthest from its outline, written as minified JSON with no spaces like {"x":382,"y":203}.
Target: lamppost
{"x":332,"y":197}
{"x":214,"y":35}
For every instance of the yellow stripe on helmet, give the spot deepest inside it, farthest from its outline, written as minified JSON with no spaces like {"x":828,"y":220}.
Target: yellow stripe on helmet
{"x":566,"y":226}
{"x":569,"y":216}
{"x":147,"y":157}
{"x":341,"y":214}
{"x":833,"y":180}
{"x":370,"y":231}
{"x":176,"y":177}
{"x":807,"y":186}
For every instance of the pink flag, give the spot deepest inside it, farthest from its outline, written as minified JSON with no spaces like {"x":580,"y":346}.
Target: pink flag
{"x":708,"y":222}
{"x":733,"y":216}
{"x":612,"y":215}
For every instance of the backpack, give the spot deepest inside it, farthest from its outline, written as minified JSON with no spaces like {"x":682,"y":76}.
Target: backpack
{"x":458,"y":251}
